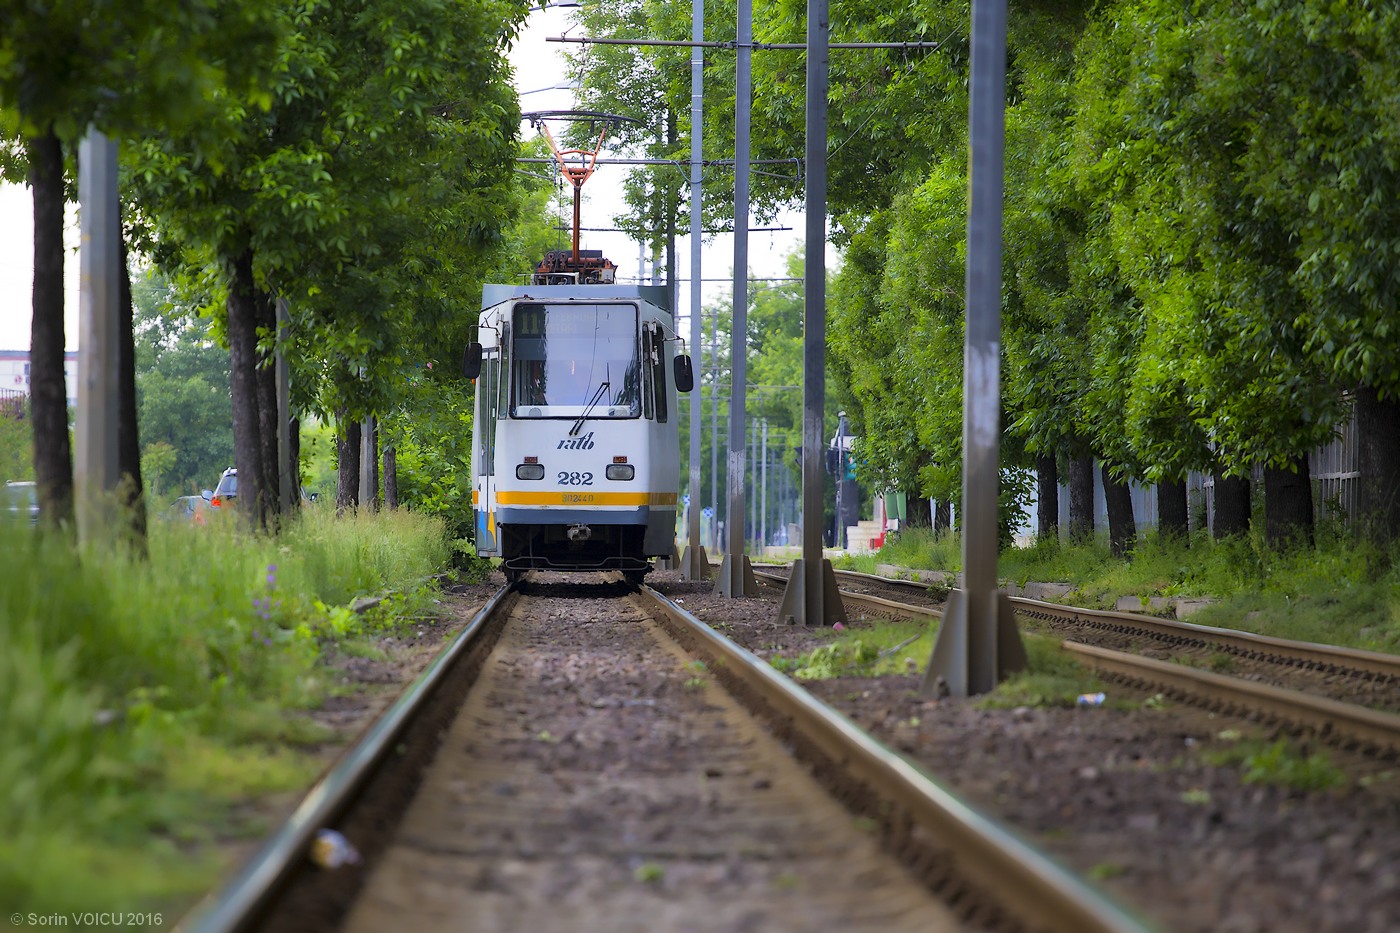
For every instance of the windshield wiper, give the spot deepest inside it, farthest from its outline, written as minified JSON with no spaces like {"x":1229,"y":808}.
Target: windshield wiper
{"x":578,"y":425}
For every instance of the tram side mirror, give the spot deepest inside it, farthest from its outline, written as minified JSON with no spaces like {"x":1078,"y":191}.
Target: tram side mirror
{"x":685,"y":375}
{"x":471,"y":360}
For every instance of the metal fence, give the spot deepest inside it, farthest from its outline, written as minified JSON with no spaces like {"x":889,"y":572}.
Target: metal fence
{"x":13,"y":403}
{"x":1335,"y":475}
{"x":1334,"y":482}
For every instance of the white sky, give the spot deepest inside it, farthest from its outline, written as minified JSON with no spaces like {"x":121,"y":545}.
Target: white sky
{"x":539,"y":64}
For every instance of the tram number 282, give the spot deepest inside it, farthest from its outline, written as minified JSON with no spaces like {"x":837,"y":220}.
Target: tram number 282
{"x":575,"y":479}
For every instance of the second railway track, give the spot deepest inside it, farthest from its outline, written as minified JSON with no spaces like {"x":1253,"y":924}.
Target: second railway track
{"x":1343,"y":695}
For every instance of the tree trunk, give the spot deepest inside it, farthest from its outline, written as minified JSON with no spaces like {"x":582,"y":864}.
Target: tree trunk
{"x":1081,"y":499}
{"x":1047,"y":478}
{"x":130,"y":489}
{"x":1231,"y":506}
{"x":1122,"y":530}
{"x":942,"y":517}
{"x":919,"y":511}
{"x":347,"y":449}
{"x":248,"y":443}
{"x":1288,"y":505}
{"x":265,"y":305}
{"x":1171,"y":510}
{"x":48,"y":391}
{"x":391,"y":478}
{"x":294,"y":455}
{"x":1378,"y":461}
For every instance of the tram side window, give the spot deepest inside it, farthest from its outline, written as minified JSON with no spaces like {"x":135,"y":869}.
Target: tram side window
{"x":486,"y":408}
{"x":656,"y":365}
{"x":648,"y":387}
{"x":503,"y":383}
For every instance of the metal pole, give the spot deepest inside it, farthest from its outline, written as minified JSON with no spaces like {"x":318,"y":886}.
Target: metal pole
{"x":714,"y":433}
{"x":752,"y":457}
{"x":367,"y":456}
{"x":978,"y":641}
{"x":694,"y":570}
{"x":578,"y":194}
{"x":981,"y":394}
{"x":284,"y":411}
{"x":733,"y":583}
{"x":814,"y":316}
{"x":763,"y":489}
{"x":99,"y":290}
{"x":811,"y":597}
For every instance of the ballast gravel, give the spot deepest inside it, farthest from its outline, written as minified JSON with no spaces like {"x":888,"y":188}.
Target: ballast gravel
{"x":1127,"y":793}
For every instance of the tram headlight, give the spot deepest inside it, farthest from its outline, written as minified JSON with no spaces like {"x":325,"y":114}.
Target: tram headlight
{"x":530,"y":471}
{"x":620,"y":471}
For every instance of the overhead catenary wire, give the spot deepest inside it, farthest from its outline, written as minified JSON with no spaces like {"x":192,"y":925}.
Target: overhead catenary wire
{"x":734,"y":46}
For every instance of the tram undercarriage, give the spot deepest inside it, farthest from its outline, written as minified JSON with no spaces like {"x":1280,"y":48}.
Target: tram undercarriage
{"x":573,"y":548}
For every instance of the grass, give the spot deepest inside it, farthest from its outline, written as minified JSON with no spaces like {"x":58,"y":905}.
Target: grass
{"x":1281,"y":763}
{"x":1052,"y":677}
{"x":882,"y":649}
{"x":147,"y":702}
{"x":1341,"y":592}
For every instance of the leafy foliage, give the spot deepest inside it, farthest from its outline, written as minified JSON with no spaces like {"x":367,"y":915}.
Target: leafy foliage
{"x":182,"y":393}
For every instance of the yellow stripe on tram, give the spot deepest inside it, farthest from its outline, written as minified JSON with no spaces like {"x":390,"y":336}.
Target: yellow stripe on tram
{"x":634,"y":499}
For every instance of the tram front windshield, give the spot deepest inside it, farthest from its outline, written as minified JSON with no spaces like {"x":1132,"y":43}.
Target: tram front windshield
{"x":570,"y":358}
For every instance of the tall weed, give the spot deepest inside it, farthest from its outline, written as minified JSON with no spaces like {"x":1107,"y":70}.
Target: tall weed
{"x":140,"y":696}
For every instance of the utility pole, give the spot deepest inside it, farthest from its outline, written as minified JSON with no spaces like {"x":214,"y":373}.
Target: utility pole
{"x":978,"y":643}
{"x":736,"y":575}
{"x":753,"y":484}
{"x":369,"y":455}
{"x":696,"y":564}
{"x":714,"y":434}
{"x":763,"y":491}
{"x":285,"y":467}
{"x":811,"y":597}
{"x":98,"y":470}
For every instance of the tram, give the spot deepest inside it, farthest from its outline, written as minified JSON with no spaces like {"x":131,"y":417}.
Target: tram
{"x":576,"y":451}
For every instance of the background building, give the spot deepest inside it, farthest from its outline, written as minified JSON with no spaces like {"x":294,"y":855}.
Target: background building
{"x":14,"y":373}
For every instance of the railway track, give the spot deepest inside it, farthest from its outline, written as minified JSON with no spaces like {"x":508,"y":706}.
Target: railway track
{"x":1345,"y":696}
{"x":594,"y":758}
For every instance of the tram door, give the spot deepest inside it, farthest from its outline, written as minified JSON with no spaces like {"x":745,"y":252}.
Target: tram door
{"x":488,"y":410}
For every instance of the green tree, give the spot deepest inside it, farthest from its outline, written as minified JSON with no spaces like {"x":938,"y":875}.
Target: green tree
{"x":374,"y":175}
{"x":182,"y":383}
{"x":126,"y":70}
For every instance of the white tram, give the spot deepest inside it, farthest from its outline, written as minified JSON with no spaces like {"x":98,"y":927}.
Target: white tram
{"x":576,"y":453}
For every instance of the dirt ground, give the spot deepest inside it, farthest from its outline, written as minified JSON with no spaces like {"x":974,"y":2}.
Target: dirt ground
{"x":1128,"y":796}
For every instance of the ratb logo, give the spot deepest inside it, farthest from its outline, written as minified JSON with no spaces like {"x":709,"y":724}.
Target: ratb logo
{"x":577,"y":443}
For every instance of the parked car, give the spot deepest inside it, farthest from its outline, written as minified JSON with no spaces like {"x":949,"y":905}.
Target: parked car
{"x":227,"y":490}
{"x":21,"y":500}
{"x":193,"y":509}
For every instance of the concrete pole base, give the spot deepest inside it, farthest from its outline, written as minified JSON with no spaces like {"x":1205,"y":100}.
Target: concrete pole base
{"x":978,"y":645}
{"x":794,"y":608}
{"x":723,"y":586}
{"x":695,"y":565}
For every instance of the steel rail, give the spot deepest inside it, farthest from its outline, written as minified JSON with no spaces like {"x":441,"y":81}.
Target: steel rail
{"x":865,"y":600}
{"x":1247,"y":644}
{"x":1031,"y":886}
{"x":1328,"y":718}
{"x":236,"y":905}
